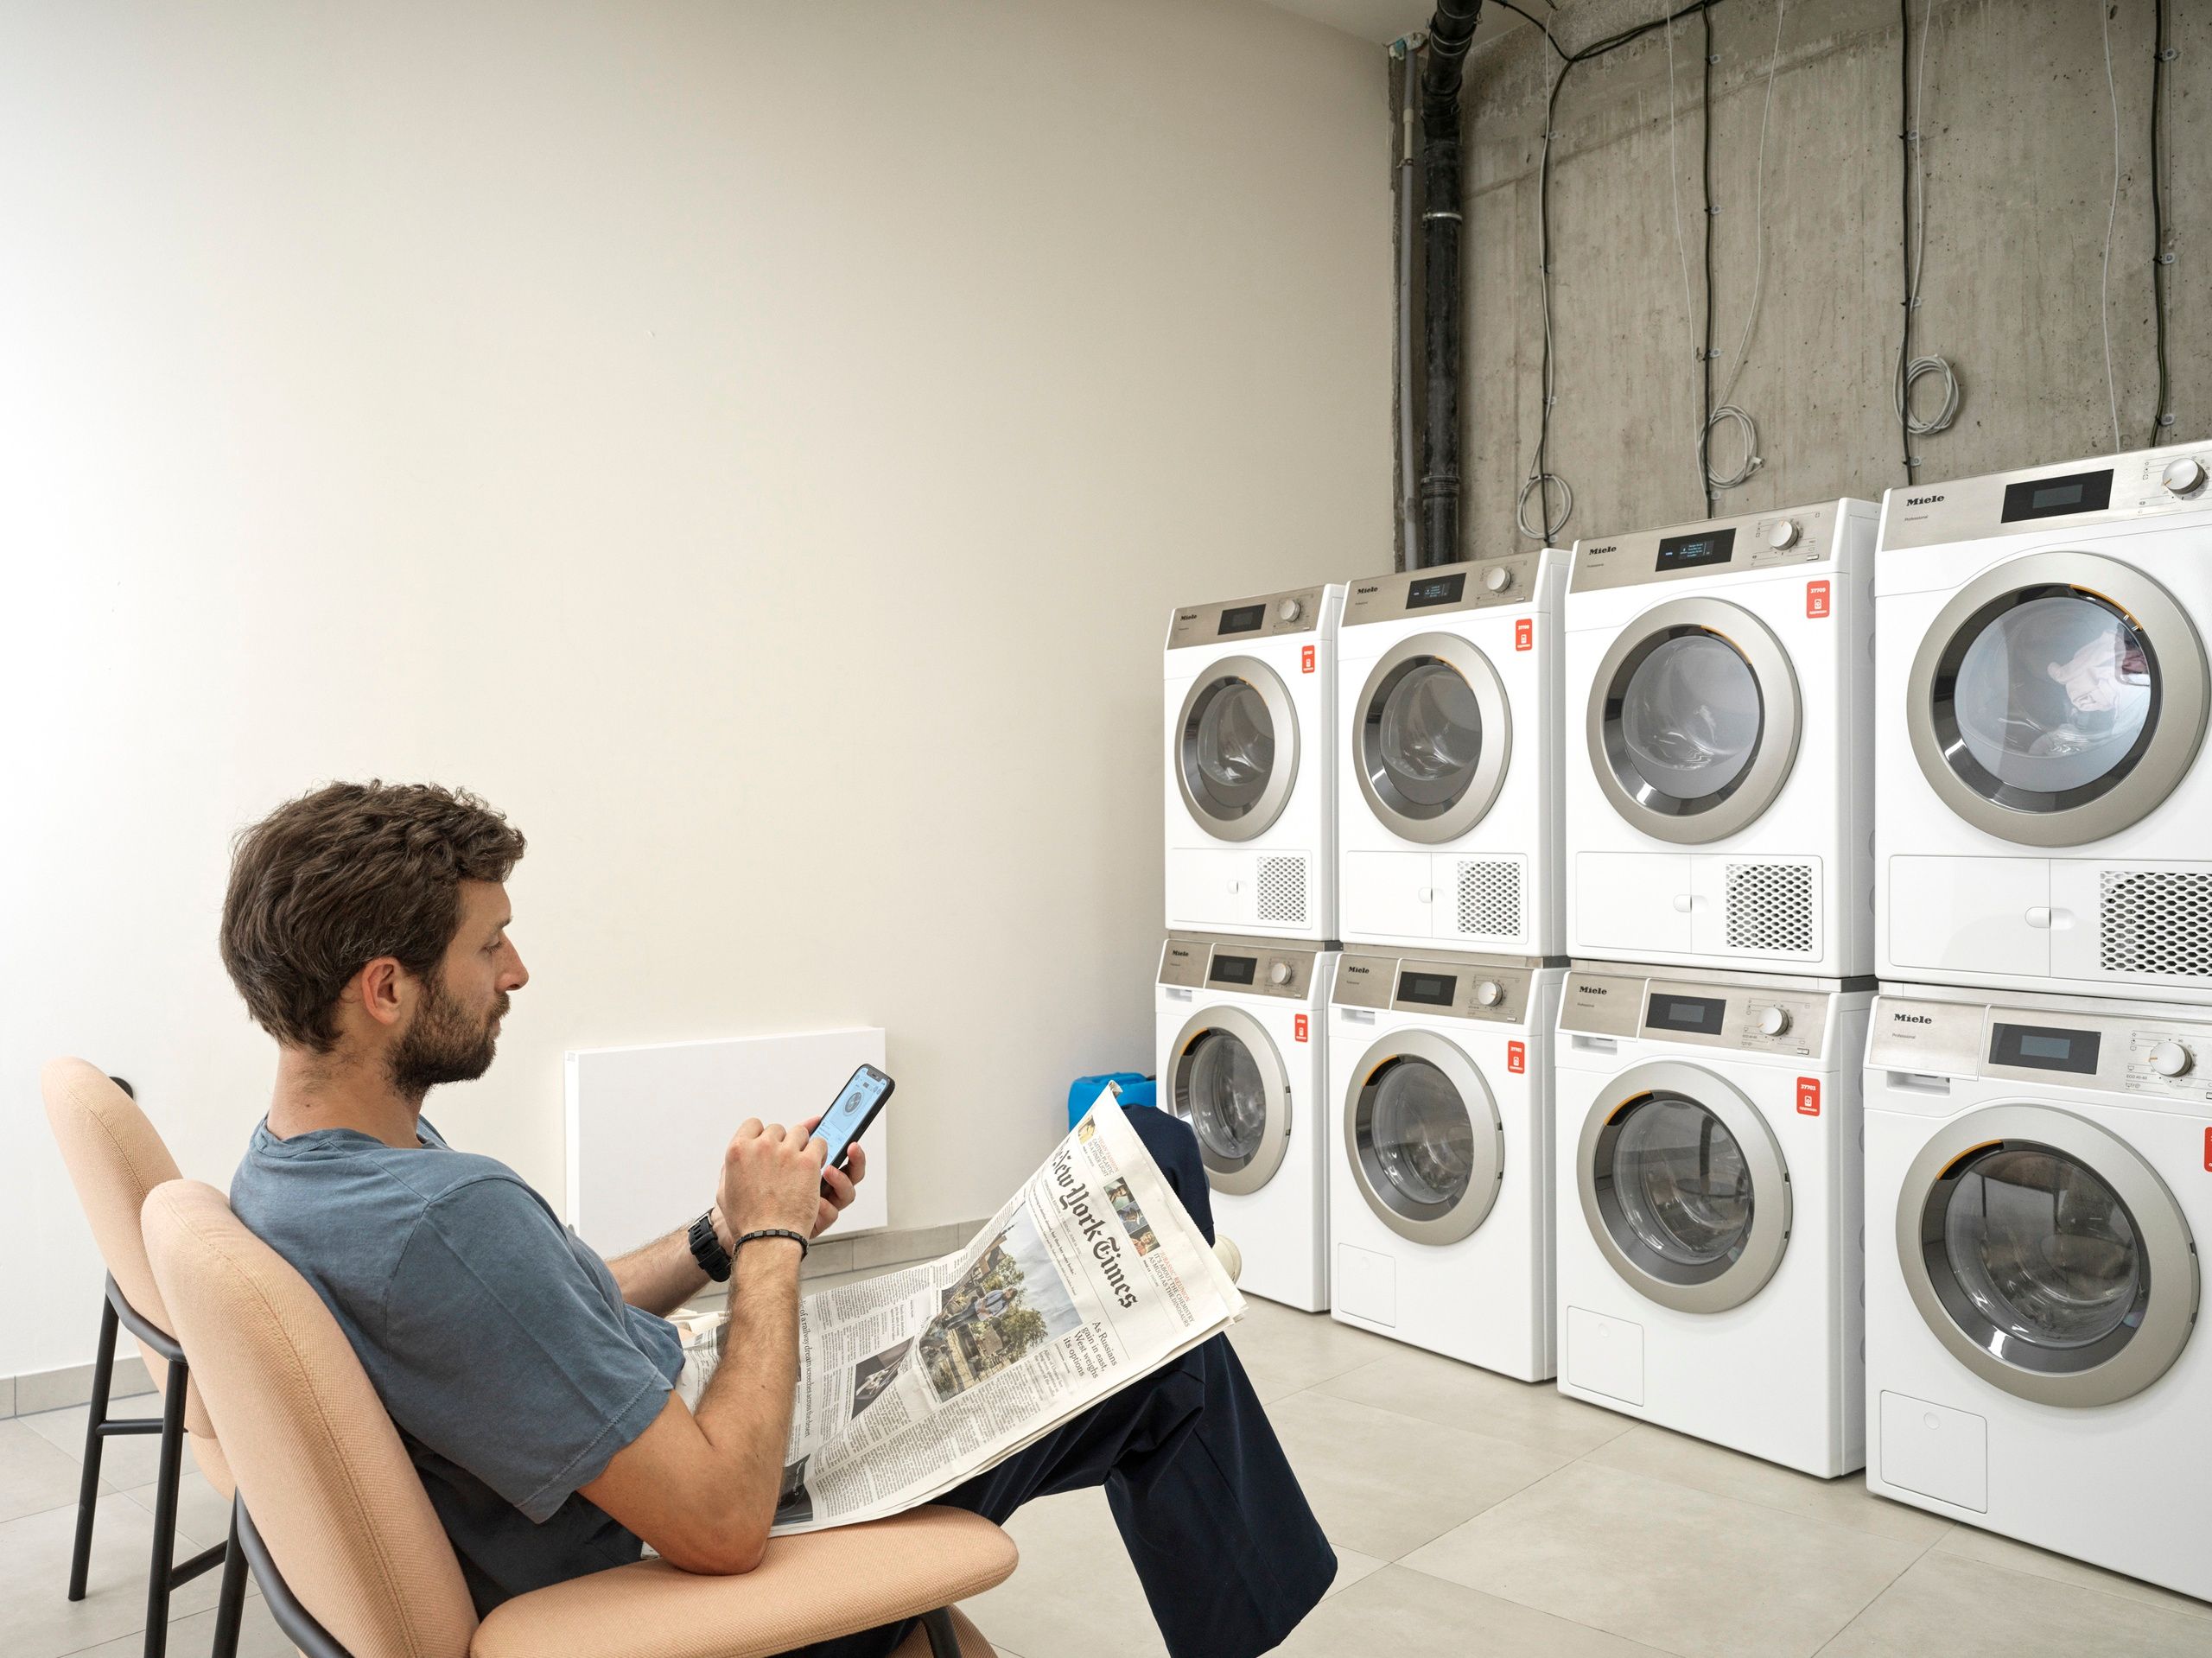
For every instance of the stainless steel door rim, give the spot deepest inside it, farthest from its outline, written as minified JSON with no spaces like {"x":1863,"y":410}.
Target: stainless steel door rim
{"x":1451,"y":1215}
{"x":1468,"y":789}
{"x":1239,"y":810}
{"x":1229,"y":1170}
{"x":1746,"y":780}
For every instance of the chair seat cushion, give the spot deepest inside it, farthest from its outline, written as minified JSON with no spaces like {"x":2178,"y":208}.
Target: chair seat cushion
{"x":807,"y":1588}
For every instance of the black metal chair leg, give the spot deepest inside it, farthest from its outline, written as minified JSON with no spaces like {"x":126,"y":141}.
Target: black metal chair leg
{"x":159,"y":1577}
{"x":88,"y":1487}
{"x":944,"y":1640}
{"x":230,"y":1603}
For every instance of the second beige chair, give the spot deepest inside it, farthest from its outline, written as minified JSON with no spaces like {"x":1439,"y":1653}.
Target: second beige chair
{"x":354,"y":1561}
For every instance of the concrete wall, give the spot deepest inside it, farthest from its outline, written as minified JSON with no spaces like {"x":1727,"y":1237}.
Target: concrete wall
{"x":757,"y":446}
{"x":2019,"y":169}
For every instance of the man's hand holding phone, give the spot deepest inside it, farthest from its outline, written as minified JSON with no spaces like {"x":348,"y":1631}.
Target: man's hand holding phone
{"x":772,"y":1179}
{"x":834,"y":1194}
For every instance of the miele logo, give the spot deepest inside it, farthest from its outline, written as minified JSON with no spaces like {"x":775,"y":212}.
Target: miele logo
{"x":1923,"y":500}
{"x":1590,"y":989}
{"x":1179,"y":954}
{"x":1372,"y":586}
{"x":1910,"y":1019}
{"x":1187,"y":615}
{"x":1609,"y":547}
{"x":1360,"y":968}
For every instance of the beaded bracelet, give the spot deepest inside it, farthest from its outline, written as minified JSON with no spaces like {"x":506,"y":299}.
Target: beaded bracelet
{"x":774,"y":1232}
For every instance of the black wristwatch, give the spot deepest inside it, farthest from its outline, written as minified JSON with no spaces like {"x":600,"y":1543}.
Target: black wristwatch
{"x":706,"y":1249}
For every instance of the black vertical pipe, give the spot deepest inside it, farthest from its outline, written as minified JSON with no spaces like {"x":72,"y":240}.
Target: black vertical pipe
{"x":1443,"y":65}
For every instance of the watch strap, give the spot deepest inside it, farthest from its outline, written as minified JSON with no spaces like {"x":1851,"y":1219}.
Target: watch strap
{"x":706,"y":1249}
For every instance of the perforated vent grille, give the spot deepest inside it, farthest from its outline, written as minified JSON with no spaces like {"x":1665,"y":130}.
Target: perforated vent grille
{"x":1282,"y":891}
{"x":2155,"y":921}
{"x":1489,"y":899}
{"x":1771,"y":907}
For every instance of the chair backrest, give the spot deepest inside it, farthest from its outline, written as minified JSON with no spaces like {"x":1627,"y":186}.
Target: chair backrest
{"x":317,"y":1459}
{"x":116,"y":1156}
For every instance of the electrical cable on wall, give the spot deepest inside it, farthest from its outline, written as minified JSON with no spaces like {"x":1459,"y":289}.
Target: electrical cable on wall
{"x":2162,"y":256}
{"x":1727,"y":410}
{"x":2112,"y":213}
{"x":1911,"y":370}
{"x":1681,"y":257}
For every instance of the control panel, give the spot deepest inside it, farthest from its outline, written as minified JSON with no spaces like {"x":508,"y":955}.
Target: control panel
{"x":1443,"y":587}
{"x":1461,"y":988}
{"x":1268,"y":617}
{"x":1785,"y":1022}
{"x":2148,"y":1054}
{"x":1245,"y":967}
{"x":2113,"y":490}
{"x":1792,"y":535}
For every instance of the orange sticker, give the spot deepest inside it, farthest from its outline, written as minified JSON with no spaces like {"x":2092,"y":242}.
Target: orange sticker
{"x":1305,"y":660}
{"x":1816,"y":598}
{"x":2207,"y":1151}
{"x":1517,"y":1056}
{"x":1808,"y":1097}
{"x":1524,"y":635}
{"x":1298,"y":1027}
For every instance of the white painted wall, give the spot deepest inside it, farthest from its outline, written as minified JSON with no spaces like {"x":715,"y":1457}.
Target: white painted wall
{"x":755,"y":445}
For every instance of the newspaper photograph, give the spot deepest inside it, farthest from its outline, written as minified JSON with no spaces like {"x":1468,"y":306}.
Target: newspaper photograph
{"x":910,"y":1383}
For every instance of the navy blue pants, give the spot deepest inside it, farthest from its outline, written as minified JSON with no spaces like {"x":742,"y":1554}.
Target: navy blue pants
{"x":1230,"y":1555}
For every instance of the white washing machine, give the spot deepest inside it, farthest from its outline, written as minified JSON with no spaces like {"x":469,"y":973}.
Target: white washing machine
{"x":1242,"y":1041}
{"x":1449,"y":742}
{"x":1710,"y":1217}
{"x":1720,"y":782}
{"x":1440,"y":1160}
{"x":1251,"y":766}
{"x":2038,"y":1174}
{"x":2041,"y":711}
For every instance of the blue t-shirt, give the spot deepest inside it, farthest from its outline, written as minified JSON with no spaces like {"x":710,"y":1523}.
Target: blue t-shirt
{"x":495,"y":1336}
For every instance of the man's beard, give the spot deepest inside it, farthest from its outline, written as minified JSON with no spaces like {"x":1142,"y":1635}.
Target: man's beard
{"x":444,"y":1045}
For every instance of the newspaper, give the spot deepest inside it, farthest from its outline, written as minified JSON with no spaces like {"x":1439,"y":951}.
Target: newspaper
{"x":1091,"y":1276}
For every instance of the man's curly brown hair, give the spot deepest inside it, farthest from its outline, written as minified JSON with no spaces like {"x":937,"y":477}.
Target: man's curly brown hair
{"x":327,"y":883}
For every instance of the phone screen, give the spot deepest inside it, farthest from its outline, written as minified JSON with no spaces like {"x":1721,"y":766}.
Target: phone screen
{"x":855,"y":1104}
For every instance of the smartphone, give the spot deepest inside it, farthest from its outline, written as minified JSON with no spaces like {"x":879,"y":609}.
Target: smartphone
{"x":857,"y":1103}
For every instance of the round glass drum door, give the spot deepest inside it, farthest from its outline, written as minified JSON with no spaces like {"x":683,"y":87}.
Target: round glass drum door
{"x":1684,"y":1188}
{"x":1433,"y":737}
{"x":1426,"y":1147}
{"x":1227,"y":1081}
{"x":1694,"y":721}
{"x":2057,"y":699}
{"x":1236,"y":746}
{"x":2046,"y":1255}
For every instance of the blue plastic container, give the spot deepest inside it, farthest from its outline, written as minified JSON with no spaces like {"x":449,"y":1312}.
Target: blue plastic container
{"x":1135,"y":1088}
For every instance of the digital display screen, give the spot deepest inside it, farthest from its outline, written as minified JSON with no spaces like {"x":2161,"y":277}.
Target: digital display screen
{"x":844,"y":1119}
{"x":1437,"y":590}
{"x":1233,"y":969}
{"x":1687,"y":552}
{"x":1244,"y":618}
{"x":2039,"y":1047}
{"x":2054,"y":498}
{"x":1699,"y":1014}
{"x":1428,"y":989}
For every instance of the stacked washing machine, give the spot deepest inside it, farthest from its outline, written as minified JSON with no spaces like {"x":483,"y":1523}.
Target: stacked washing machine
{"x":1718,"y":894}
{"x":2039,"y":1071}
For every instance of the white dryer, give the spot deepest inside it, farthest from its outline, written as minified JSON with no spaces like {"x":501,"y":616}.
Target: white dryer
{"x":1720,"y":806}
{"x":1448,"y":743}
{"x":2040,"y":717}
{"x":2038,"y":1178}
{"x":1251,"y":765}
{"x":1440,"y":1158}
{"x":1710,"y":1263}
{"x":1241,"y":1059}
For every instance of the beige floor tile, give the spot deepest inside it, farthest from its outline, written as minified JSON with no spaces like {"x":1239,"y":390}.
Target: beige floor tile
{"x":1074,"y":1575}
{"x":190,"y":1637}
{"x":1285,"y":1350}
{"x":1397,"y":1611}
{"x":40,"y":1622}
{"x":1383,"y":1483}
{"x":1351,"y":1567}
{"x":34,"y":1473}
{"x":1720,"y":1472}
{"x":1962,"y":1608}
{"x":1416,"y":1384}
{"x":1992,"y":1550}
{"x":1675,"y":1568}
{"x":127,"y":1459}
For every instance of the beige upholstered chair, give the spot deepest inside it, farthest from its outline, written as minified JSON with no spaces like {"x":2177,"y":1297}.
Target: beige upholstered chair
{"x":115,"y":1158}
{"x":355,"y":1564}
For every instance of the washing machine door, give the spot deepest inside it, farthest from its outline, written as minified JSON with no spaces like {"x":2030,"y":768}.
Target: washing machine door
{"x":1236,"y":748}
{"x":1694,"y":721}
{"x":2047,"y":1255}
{"x":1432,"y":737}
{"x":1426,"y":1144}
{"x":2057,"y":698}
{"x":1684,"y":1187}
{"x":1228,"y":1082}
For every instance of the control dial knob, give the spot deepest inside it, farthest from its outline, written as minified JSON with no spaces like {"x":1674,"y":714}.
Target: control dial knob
{"x":1278,"y":973}
{"x":1488,"y":993}
{"x":1497,"y":579}
{"x":1781,"y":534}
{"x":1289,"y":610}
{"x":2171,"y":1059}
{"x":1773,"y":1021}
{"x":2183,"y":477}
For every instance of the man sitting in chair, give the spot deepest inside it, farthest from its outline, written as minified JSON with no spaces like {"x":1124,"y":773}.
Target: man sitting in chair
{"x":366,"y":926}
